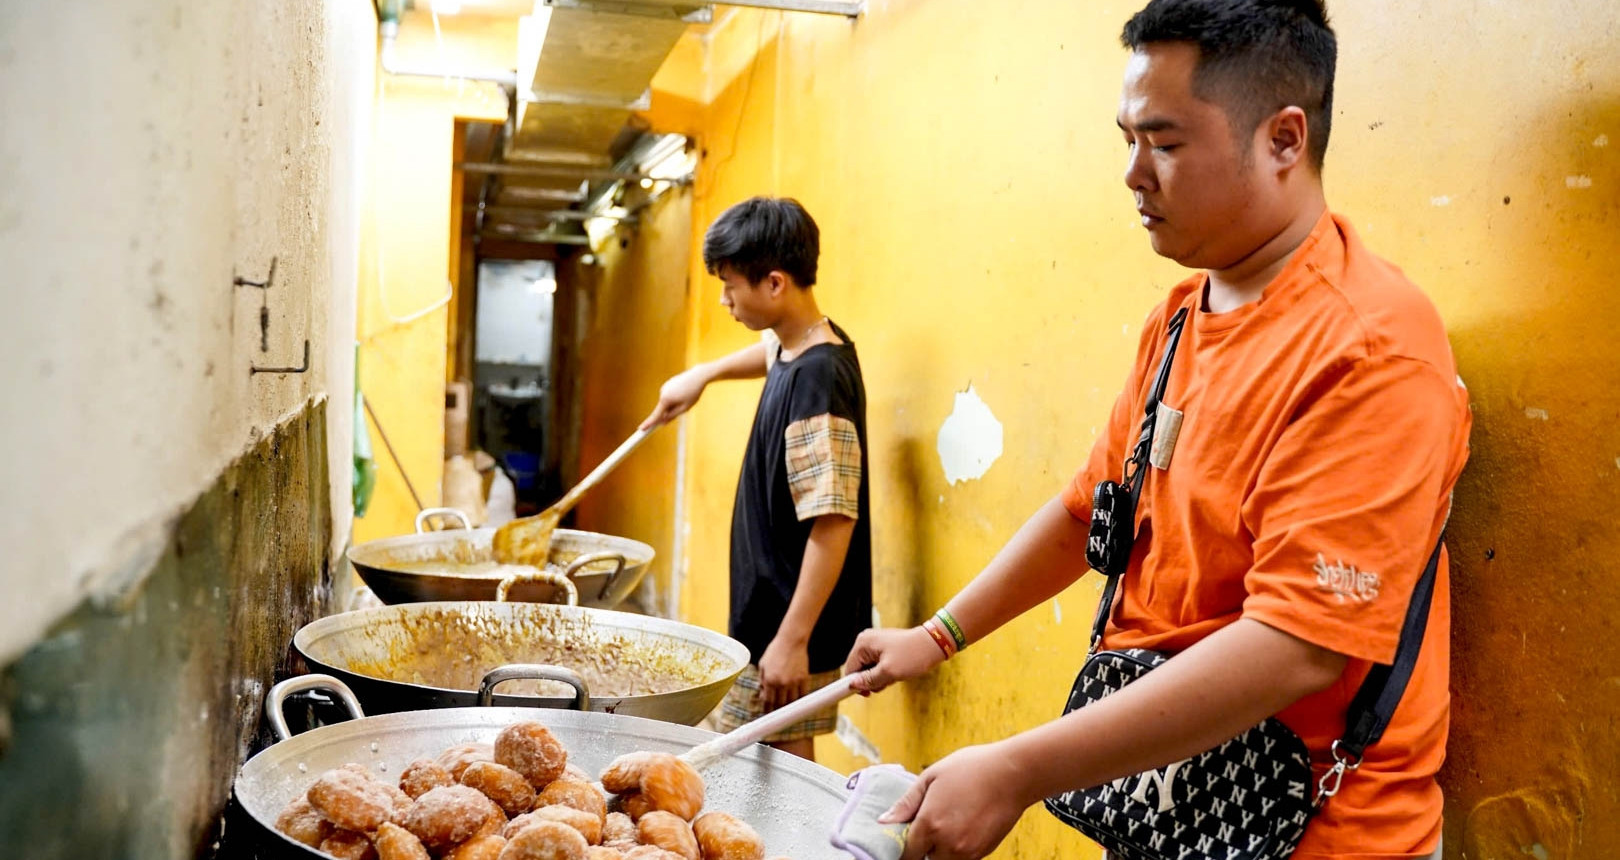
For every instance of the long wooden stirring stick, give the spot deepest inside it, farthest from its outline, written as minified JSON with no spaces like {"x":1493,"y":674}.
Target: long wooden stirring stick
{"x":528,"y":540}
{"x":745,"y":736}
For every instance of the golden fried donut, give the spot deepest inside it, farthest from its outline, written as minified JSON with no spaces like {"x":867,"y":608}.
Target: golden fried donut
{"x":669,"y":832}
{"x":648,"y":852}
{"x":423,"y":775}
{"x":618,"y":828}
{"x":546,"y":840}
{"x":666,"y":782}
{"x":624,"y":774}
{"x":303,"y":823}
{"x":450,"y":815}
{"x":396,"y":843}
{"x":631,"y":803}
{"x":487,"y":847}
{"x":402,"y":801}
{"x":576,"y":772}
{"x":588,"y":825}
{"x":532,"y":750}
{"x":602,"y":852}
{"x":348,"y":845}
{"x":350,"y":800}
{"x":578,"y":793}
{"x":510,"y":791}
{"x":456,"y":759}
{"x":726,"y":837}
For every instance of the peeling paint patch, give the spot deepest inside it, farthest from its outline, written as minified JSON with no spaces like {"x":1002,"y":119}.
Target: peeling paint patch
{"x":1442,"y":200}
{"x":1582,"y":181}
{"x":1537,"y":414}
{"x":970,"y":439}
{"x":859,"y":745}
{"x":1601,"y":141}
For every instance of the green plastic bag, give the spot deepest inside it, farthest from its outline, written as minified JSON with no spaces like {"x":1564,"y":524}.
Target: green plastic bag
{"x":365,"y":467}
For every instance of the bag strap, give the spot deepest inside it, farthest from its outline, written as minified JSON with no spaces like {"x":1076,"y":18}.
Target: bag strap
{"x":1135,"y":471}
{"x":1380,"y":694}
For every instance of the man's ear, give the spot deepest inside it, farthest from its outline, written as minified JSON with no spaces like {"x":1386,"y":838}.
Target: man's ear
{"x":1287,"y":138}
{"x":777,"y":282}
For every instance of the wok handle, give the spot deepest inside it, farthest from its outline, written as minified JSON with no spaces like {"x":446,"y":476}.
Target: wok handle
{"x":538,"y":575}
{"x":277,"y":700}
{"x":619,"y":563}
{"x":533,"y":672}
{"x":426,"y":514}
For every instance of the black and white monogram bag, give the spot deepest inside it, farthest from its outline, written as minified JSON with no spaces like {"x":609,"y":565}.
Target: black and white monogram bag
{"x":1251,"y":797}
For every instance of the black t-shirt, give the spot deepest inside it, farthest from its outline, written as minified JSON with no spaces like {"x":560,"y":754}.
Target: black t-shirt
{"x":817,"y":398}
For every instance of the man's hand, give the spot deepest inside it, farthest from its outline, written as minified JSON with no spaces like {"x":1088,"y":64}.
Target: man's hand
{"x":784,"y":672}
{"x":677,"y":395}
{"x":884,"y":657}
{"x":963,"y":806}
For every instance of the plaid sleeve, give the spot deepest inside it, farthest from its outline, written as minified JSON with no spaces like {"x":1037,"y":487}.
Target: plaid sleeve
{"x":824,"y":467}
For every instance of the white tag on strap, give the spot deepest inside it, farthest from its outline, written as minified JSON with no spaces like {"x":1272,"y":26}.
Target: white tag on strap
{"x":1167,"y":428}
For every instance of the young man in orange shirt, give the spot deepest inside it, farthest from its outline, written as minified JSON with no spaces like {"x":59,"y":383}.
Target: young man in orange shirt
{"x":1279,"y":543}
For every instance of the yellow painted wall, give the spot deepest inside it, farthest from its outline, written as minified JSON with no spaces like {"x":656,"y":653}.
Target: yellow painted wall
{"x":406,"y":252}
{"x":962,"y":161}
{"x":634,"y":338}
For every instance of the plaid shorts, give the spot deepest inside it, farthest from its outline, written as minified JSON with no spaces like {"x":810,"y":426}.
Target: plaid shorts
{"x":743,"y":705}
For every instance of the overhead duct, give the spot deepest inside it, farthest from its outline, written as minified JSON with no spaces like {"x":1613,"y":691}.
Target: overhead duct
{"x":583,"y":67}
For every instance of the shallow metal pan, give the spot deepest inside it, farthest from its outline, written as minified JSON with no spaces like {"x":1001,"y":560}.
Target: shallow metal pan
{"x":790,"y":801}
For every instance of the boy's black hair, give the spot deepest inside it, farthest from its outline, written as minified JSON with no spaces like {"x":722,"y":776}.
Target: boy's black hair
{"x":761,"y":235}
{"x":1256,"y":57}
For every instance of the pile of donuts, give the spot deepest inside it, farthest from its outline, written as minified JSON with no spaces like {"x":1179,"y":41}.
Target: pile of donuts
{"x":517,"y":799}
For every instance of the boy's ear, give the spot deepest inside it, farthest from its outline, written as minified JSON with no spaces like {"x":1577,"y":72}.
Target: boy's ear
{"x":777,"y":282}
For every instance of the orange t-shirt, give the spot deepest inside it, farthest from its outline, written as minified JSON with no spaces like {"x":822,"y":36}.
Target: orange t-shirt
{"x":1324,"y":428}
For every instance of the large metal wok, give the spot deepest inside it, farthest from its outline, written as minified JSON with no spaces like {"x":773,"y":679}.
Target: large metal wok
{"x":790,"y":801}
{"x":461,"y":565}
{"x":436,"y":655}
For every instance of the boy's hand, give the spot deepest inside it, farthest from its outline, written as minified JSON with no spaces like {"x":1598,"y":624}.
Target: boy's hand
{"x":784,"y":672}
{"x":677,"y":395}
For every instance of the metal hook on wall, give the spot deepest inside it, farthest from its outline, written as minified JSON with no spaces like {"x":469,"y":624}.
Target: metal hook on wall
{"x":252,"y":369}
{"x":264,"y":321}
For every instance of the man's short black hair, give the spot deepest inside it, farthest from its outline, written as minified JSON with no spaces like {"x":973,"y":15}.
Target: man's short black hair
{"x":1256,"y":57}
{"x":761,"y":235}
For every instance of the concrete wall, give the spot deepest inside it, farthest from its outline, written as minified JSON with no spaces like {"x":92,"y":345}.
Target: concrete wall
{"x":964,"y":166}
{"x":153,"y":152}
{"x":171,"y":515}
{"x":125,"y":726}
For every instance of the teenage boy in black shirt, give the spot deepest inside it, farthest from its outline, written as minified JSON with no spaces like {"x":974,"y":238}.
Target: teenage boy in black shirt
{"x":801,"y":542}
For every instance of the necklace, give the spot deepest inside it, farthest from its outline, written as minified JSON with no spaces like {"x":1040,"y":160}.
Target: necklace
{"x":807,"y":332}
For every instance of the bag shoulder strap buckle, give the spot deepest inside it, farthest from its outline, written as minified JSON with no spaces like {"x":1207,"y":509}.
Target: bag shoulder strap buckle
{"x":1344,"y":762}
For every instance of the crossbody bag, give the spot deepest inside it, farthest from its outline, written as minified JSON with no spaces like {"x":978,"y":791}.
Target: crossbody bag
{"x":1251,"y":797}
